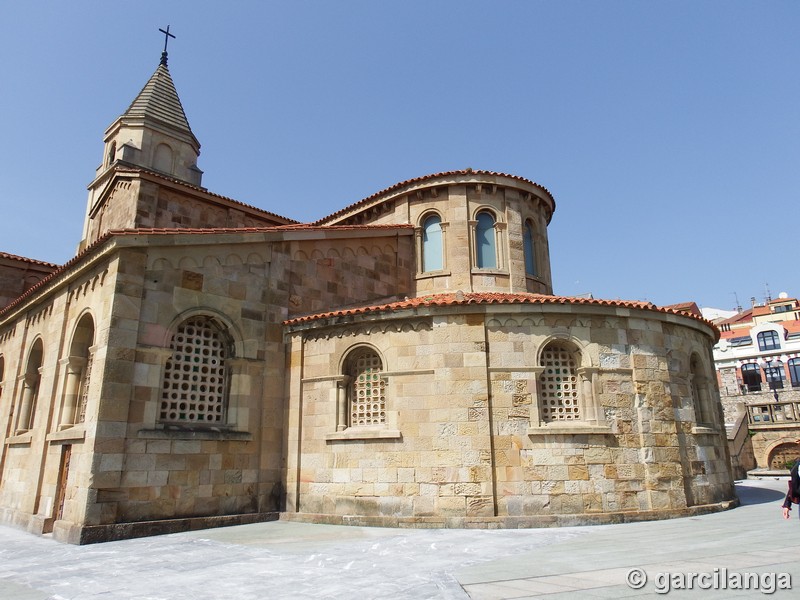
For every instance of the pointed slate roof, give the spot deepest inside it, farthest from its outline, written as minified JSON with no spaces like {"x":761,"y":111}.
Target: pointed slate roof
{"x":159,"y":100}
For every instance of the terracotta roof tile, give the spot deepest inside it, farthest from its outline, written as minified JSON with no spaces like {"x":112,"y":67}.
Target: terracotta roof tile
{"x":397,"y":186}
{"x":129,"y":169}
{"x":32,"y":261}
{"x":690,"y":307}
{"x":460,"y":299}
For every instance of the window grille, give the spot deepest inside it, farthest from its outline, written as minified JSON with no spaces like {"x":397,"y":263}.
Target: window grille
{"x":195,"y":380}
{"x":559,"y":385}
{"x":367,"y":401}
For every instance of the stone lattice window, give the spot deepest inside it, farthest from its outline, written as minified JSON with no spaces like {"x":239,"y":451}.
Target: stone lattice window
{"x":195,"y":382}
{"x":367,"y":387}
{"x":559,"y":384}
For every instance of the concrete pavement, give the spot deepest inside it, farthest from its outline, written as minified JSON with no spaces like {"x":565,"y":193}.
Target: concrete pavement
{"x":298,"y":560}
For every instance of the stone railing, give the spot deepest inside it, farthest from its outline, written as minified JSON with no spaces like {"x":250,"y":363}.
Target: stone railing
{"x":770,"y":414}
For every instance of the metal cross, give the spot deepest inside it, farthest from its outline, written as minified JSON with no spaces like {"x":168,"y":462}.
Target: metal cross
{"x":167,"y":35}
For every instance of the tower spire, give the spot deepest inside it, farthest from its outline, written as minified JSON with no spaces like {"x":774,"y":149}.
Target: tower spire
{"x":167,"y":35}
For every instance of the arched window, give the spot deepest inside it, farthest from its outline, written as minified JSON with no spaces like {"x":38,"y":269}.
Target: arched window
{"x":794,"y":371}
{"x":768,"y":340}
{"x":432,"y":248}
{"x":701,"y":397}
{"x":366,"y":388}
{"x":196,"y":387}
{"x":78,"y":373}
{"x":112,"y":153}
{"x":530,"y":254}
{"x":485,"y":241}
{"x":163,"y":159}
{"x":30,"y":387}
{"x":559,"y":392}
{"x":751,"y":377}
{"x":773,"y":370}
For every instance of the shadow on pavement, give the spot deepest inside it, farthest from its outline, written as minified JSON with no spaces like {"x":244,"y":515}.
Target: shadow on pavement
{"x":752,"y":495}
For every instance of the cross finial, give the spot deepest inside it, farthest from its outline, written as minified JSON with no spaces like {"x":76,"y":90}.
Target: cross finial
{"x":167,"y":35}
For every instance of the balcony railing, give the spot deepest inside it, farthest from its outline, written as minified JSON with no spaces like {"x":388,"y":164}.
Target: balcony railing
{"x":773,"y":413}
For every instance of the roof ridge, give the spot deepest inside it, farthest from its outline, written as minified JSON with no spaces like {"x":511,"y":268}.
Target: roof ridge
{"x":433,"y":176}
{"x":141,"y":169}
{"x":28,"y":260}
{"x":463,"y":298}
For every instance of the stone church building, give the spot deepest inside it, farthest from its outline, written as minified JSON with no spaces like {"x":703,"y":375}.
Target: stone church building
{"x":402,"y":361}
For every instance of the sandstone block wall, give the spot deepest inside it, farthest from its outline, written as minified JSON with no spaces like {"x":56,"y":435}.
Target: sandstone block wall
{"x":461,"y":396}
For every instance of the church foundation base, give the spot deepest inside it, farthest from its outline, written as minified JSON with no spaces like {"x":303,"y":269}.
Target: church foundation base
{"x":516,"y":522}
{"x":92,"y":534}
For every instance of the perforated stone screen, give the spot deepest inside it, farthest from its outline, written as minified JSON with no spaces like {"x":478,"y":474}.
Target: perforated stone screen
{"x":367,"y":402}
{"x":559,"y":385}
{"x":194,"y":381}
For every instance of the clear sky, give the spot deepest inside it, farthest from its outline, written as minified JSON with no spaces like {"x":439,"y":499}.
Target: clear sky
{"x":668,"y":132}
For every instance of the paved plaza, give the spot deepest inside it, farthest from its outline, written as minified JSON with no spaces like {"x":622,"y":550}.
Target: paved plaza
{"x":297,"y":560}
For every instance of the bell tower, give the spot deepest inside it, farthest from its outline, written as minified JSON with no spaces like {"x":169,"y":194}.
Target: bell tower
{"x":153,"y":135}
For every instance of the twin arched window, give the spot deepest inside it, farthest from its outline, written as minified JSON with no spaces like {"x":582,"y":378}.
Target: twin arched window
{"x":195,"y":388}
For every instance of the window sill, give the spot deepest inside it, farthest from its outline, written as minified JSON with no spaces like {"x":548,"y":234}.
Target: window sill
{"x":478,"y":271}
{"x":75,"y":433}
{"x":364,"y":433}
{"x":576,"y":429}
{"x":176,"y":433}
{"x":430,"y":274}
{"x":701,"y":429}
{"x":20,"y":439}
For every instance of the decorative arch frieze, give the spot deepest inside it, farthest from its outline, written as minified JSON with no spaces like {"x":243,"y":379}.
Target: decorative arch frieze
{"x":368,"y":329}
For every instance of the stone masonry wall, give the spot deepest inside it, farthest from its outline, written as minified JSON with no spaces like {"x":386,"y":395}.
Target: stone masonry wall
{"x":460,"y":390}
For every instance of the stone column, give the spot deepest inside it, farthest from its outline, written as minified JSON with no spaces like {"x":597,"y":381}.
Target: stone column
{"x":30,"y":383}
{"x":74,"y":366}
{"x":533,"y":389}
{"x":589,"y":408}
{"x":499,"y":246}
{"x":473,"y":247}
{"x":443,"y":227}
{"x":341,"y":402}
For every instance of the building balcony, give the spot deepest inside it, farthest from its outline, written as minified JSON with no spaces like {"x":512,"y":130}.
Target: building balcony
{"x":773,"y":415}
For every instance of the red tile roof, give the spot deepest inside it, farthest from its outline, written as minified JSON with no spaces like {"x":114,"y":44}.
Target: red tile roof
{"x":126,"y":169}
{"x":424,"y":178}
{"x":690,"y":307}
{"x":27,"y":260}
{"x":461,"y":299}
{"x":224,"y":230}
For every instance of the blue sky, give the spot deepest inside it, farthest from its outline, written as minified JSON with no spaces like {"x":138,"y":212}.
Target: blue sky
{"x":668,"y":132}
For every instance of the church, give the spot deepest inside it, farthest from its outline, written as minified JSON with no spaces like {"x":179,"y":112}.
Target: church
{"x":402,"y":362}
